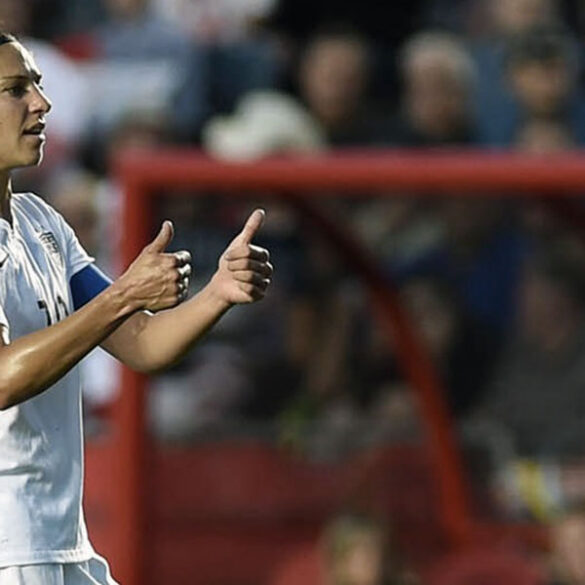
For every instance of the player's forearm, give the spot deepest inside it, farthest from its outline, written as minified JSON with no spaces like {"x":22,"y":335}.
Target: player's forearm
{"x":32,"y":363}
{"x":150,"y":343}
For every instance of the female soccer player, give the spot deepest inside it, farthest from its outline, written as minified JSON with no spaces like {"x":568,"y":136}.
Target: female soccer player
{"x":55,"y":307}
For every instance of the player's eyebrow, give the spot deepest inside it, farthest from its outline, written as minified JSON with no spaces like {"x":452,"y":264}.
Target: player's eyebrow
{"x":34,"y":76}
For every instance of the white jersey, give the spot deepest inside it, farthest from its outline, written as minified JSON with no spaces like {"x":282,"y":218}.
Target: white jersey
{"x":41,"y":443}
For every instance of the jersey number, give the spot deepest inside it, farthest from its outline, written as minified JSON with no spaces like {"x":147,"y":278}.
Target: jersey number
{"x":60,"y":310}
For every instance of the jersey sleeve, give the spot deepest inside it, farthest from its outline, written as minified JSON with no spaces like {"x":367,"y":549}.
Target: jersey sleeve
{"x":75,"y":256}
{"x":85,"y":280}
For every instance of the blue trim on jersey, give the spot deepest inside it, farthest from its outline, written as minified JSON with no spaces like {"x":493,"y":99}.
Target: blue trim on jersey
{"x":87,"y":284}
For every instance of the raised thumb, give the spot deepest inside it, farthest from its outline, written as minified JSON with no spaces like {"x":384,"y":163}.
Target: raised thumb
{"x":253,"y":224}
{"x":164,"y":237}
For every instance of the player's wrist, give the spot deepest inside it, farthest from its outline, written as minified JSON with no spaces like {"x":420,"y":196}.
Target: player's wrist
{"x":120,"y":297}
{"x":213,"y":295}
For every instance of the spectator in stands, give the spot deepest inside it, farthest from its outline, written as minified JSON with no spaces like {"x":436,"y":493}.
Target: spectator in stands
{"x":536,"y":396}
{"x":357,"y":550}
{"x":333,"y":79}
{"x":503,"y":23}
{"x":496,"y":22}
{"x":438,"y":77}
{"x":568,"y":548}
{"x":542,"y":78}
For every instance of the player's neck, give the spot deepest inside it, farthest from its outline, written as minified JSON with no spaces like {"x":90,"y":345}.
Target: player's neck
{"x":5,"y":197}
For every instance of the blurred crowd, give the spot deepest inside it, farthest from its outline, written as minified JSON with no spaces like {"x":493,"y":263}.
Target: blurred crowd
{"x":495,"y":287}
{"x":356,"y":548}
{"x":502,"y":73}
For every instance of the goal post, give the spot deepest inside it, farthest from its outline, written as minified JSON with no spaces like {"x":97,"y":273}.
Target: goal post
{"x":474,"y":174}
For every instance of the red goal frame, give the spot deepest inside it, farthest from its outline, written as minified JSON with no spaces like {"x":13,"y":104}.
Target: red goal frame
{"x":471,"y":174}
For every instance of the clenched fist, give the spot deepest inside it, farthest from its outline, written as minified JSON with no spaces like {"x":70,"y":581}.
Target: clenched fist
{"x":244,"y":271}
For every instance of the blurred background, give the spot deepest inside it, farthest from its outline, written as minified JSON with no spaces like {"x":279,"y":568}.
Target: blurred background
{"x":291,"y":448}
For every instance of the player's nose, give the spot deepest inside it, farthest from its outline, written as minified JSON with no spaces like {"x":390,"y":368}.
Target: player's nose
{"x":40,"y":102}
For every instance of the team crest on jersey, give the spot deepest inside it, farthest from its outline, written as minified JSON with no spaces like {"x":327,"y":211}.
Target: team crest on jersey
{"x":49,"y":241}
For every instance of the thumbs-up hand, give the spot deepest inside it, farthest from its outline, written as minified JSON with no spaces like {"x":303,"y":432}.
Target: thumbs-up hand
{"x":244,"y":271}
{"x":158,"y":279}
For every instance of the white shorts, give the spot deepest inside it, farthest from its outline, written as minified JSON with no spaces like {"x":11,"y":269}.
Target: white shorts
{"x":92,"y":572}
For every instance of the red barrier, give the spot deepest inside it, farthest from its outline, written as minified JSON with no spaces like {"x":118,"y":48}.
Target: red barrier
{"x":362,"y":172}
{"x":230,"y":513}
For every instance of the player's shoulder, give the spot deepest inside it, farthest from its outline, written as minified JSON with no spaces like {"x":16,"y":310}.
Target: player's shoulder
{"x":32,"y":202}
{"x":35,"y":207}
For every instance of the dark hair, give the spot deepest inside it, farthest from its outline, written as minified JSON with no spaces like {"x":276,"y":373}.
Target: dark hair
{"x":337,"y":31}
{"x":7,"y":38}
{"x":538,"y":46}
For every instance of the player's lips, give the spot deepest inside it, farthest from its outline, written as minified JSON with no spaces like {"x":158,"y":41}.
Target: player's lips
{"x":37,"y":131}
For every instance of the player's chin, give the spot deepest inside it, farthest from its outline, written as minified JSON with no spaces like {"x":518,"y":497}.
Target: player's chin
{"x":30,"y":157}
